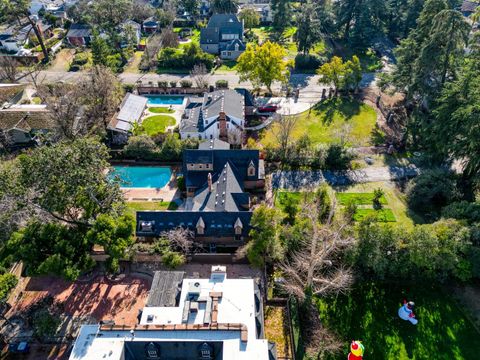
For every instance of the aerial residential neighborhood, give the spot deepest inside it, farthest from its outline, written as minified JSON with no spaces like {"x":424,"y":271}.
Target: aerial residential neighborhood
{"x":239,"y":179}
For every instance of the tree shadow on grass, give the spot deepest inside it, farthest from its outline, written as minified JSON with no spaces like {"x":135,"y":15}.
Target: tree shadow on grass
{"x":345,"y":107}
{"x":377,"y":136}
{"x":369,"y":313}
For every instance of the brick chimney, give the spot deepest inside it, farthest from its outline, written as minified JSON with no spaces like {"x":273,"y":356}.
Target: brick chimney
{"x":222,"y":125}
{"x":209,"y":182}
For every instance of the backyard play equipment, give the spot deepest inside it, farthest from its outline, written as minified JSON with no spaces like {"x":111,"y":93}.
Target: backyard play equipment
{"x":406,"y":312}
{"x":356,"y":350}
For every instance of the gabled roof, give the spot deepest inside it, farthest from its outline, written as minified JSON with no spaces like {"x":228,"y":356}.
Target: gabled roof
{"x":218,"y":24}
{"x":231,"y":46}
{"x":226,"y":193}
{"x":79,"y":30}
{"x":224,"y":20}
{"x":240,"y":159}
{"x":131,"y":111}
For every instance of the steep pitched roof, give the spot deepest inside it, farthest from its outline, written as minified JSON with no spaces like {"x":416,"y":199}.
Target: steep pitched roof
{"x":226,"y":193}
{"x":240,"y":159}
{"x":231,"y":46}
{"x":218,"y":24}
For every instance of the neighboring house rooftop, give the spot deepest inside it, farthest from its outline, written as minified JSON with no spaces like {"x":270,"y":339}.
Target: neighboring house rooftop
{"x":79,"y":31}
{"x":469,"y":6}
{"x":216,"y":318}
{"x":218,"y":24}
{"x":214,"y":144}
{"x":26,"y":120}
{"x":131,"y":111}
{"x":230,"y":102}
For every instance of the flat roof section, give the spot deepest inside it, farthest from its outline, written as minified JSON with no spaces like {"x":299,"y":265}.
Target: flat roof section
{"x":166,"y":285}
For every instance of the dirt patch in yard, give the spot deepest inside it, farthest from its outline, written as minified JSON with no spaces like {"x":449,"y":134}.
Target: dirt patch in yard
{"x":277,"y":330}
{"x":62,"y":60}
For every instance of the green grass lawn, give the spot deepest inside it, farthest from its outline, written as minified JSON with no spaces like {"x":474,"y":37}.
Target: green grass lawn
{"x":161,"y":110}
{"x":394,"y":198}
{"x":157,"y":124}
{"x":228,"y":66}
{"x":369,"y":313}
{"x":328,"y":120}
{"x":382,"y":215}
{"x":359,"y":198}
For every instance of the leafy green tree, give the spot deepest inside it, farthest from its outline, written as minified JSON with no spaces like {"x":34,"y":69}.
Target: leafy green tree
{"x":224,"y":6}
{"x":377,"y":197}
{"x":332,"y":72}
{"x":429,"y":192}
{"x":115,"y":235}
{"x":100,"y":50}
{"x":45,"y":324}
{"x":282,"y":14}
{"x":51,"y":249}
{"x":7,"y":283}
{"x":308,"y":27}
{"x":360,"y":20}
{"x":67,"y":181}
{"x":264,"y":246}
{"x":353,"y":72}
{"x":263,"y":64}
{"x":455,"y":129}
{"x":190,"y":6}
{"x":250,"y":17}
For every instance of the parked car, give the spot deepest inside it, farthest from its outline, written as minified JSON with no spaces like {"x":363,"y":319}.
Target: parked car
{"x":267,"y":108}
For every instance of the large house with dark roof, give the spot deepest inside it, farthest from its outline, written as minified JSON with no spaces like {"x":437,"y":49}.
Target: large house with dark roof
{"x":218,"y":115}
{"x":223,"y":36}
{"x":219,"y":183}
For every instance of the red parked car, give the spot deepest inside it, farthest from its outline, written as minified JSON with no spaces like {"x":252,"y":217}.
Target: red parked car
{"x":267,"y":108}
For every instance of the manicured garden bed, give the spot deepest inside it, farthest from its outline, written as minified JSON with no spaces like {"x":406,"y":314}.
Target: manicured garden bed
{"x":329,"y":119}
{"x":161,"y":110}
{"x":358,"y":198}
{"x":157,"y":124}
{"x":369,"y":313}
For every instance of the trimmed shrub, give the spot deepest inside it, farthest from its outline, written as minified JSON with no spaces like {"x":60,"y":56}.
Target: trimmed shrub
{"x":186,"y":84}
{"x":307,"y":62}
{"x":221,"y":84}
{"x":141,"y":146}
{"x":173,"y":84}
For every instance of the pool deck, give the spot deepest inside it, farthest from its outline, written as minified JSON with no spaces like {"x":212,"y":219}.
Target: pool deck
{"x":167,"y":193}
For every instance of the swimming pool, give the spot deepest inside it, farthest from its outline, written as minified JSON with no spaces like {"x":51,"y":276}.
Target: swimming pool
{"x":164,"y":100}
{"x":142,"y":176}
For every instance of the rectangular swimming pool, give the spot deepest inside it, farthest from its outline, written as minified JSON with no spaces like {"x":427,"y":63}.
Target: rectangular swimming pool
{"x":164,"y":100}
{"x":142,"y":176}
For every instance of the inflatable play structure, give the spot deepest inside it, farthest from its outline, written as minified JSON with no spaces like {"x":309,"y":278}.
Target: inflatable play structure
{"x":406,"y":312}
{"x":356,"y":350}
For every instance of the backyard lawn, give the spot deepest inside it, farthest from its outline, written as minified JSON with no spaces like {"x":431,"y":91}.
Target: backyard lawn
{"x":161,"y":110}
{"x":369,"y":313}
{"x":133,"y":206}
{"x":332,"y":120}
{"x":157,"y":124}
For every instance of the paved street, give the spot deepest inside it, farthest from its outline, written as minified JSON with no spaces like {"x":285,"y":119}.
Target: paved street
{"x":295,"y":180}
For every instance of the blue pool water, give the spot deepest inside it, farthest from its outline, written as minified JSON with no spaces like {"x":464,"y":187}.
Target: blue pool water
{"x":164,"y":100}
{"x":142,"y":176}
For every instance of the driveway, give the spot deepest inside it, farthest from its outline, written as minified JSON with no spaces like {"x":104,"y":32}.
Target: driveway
{"x":296,"y":180}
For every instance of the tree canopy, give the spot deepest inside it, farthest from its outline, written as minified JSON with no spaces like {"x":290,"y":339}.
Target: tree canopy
{"x":263,"y":64}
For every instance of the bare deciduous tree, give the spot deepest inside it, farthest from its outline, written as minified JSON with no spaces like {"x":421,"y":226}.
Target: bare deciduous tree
{"x":103,"y":94}
{"x":283,"y":134}
{"x":315,"y":269}
{"x":9,"y":68}
{"x":180,"y":238}
{"x":314,"y":266}
{"x":169,"y":38}
{"x":235,"y":136}
{"x":200,"y":76}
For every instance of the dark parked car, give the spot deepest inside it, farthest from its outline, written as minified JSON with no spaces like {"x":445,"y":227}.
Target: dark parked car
{"x":267,"y":108}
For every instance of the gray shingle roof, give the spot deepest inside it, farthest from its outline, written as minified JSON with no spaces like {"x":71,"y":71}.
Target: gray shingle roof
{"x":218,"y":24}
{"x":214,"y":144}
{"x":226,"y":193}
{"x":79,"y":30}
{"x":231,"y":45}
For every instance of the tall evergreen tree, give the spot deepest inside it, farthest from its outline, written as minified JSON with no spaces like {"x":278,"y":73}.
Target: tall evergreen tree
{"x":281,"y":14}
